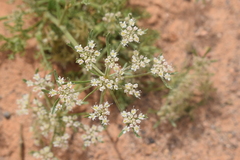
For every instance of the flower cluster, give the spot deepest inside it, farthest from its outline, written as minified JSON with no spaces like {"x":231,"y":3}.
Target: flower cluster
{"x":101,"y":112}
{"x":92,"y":135}
{"x":23,"y":105}
{"x":71,"y":121}
{"x":67,"y":95}
{"x":46,"y":121}
{"x":87,"y":54}
{"x":130,"y":32}
{"x":110,"y":17}
{"x":111,"y":60}
{"x":40,"y":83}
{"x":161,"y":68}
{"x":61,"y":141}
{"x":132,"y":120}
{"x":105,"y":83}
{"x":44,"y":154}
{"x":131,"y":89}
{"x":138,"y":61}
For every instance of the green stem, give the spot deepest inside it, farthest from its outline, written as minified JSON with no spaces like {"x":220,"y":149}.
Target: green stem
{"x":80,"y":82}
{"x":115,"y":100}
{"x":82,"y":89}
{"x":90,"y":93}
{"x":44,"y":57}
{"x":102,"y":96}
{"x":138,"y":75}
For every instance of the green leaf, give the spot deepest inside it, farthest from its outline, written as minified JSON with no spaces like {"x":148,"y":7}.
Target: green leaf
{"x":55,"y":74}
{"x":24,"y":80}
{"x":45,"y":91}
{"x":55,"y":104}
{"x":121,"y":133}
{"x":165,"y":83}
{"x":36,"y":71}
{"x":156,"y":124}
{"x":173,"y":123}
{"x":71,"y":45}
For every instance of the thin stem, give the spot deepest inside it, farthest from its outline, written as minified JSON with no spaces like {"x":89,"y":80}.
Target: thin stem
{"x":44,"y":57}
{"x":119,"y":47}
{"x":114,"y":145}
{"x":138,"y":75}
{"x":115,"y":100}
{"x":100,"y":72}
{"x":63,"y":15}
{"x":80,"y":82}
{"x":90,"y":93}
{"x":82,"y":89}
{"x":102,"y":96}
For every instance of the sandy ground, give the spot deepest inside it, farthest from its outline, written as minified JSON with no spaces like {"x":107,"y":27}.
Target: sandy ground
{"x":215,"y":132}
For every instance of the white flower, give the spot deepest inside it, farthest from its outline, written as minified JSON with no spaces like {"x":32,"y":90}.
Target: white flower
{"x":130,"y":32}
{"x":161,"y":68}
{"x":131,"y":89}
{"x":92,"y":135}
{"x":138,"y":61}
{"x":131,"y":119}
{"x":87,"y":55}
{"x":101,"y":112}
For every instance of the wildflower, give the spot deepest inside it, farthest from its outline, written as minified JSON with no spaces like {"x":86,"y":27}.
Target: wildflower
{"x":40,"y":83}
{"x":71,"y":121}
{"x":92,"y":135}
{"x":44,"y":154}
{"x":138,"y":61}
{"x":111,"y":60}
{"x":105,"y":83}
{"x":101,"y":112}
{"x":131,"y":89}
{"x":130,"y":32}
{"x":61,"y":141}
{"x":67,"y":95}
{"x":161,"y":68}
{"x":110,"y":17}
{"x":23,"y":105}
{"x":87,"y":54}
{"x":132,"y":120}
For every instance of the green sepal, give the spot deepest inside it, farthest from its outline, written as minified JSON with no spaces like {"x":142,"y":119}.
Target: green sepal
{"x":24,"y":80}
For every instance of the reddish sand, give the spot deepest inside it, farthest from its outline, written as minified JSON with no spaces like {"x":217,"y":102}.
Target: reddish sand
{"x":215,"y":132}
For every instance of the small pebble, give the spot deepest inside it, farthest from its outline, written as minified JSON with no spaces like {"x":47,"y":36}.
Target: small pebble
{"x":151,"y":140}
{"x":7,"y":115}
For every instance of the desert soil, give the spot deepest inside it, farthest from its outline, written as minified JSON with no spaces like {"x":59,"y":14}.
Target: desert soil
{"x":214,"y":134}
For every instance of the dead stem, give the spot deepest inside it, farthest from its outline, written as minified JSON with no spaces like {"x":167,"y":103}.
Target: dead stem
{"x":21,"y":143}
{"x":114,"y":145}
